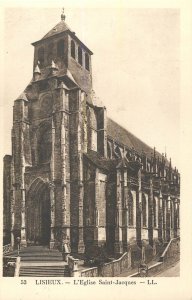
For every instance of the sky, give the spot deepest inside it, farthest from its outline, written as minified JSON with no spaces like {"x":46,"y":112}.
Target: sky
{"x":135,"y":66}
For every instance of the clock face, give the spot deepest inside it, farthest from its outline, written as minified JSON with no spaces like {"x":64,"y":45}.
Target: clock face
{"x":46,"y":105}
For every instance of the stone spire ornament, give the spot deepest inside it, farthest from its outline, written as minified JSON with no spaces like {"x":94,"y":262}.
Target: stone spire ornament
{"x":62,"y":15}
{"x":53,"y":68}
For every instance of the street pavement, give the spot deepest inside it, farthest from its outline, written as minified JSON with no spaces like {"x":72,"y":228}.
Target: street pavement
{"x":173,"y":271}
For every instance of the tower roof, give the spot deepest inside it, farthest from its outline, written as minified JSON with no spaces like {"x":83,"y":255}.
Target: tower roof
{"x":60,"y":28}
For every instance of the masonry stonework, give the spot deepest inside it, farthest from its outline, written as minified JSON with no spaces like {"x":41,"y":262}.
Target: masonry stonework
{"x":75,"y":177}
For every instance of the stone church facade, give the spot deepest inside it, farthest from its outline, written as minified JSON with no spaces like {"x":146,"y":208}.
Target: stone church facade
{"x":75,"y":177}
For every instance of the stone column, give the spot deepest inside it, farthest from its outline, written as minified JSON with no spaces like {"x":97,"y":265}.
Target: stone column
{"x":52,"y":188}
{"x":151,"y":214}
{"x":52,"y":200}
{"x":164,"y":219}
{"x":118,"y":222}
{"x":126,"y":213}
{"x":160,"y":217}
{"x":84,"y":121}
{"x":12,"y":203}
{"x":178,"y":217}
{"x":175,"y":217}
{"x":172,"y":219}
{"x":65,"y":213}
{"x":81,"y":98}
{"x":168,"y":219}
{"x":139,"y":221}
{"x":102,"y":131}
{"x":96,"y":210}
{"x":22,"y":189}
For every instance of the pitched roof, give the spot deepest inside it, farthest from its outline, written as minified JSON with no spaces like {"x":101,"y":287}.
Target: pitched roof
{"x":123,"y":136}
{"x":22,"y":97}
{"x":60,"y":27}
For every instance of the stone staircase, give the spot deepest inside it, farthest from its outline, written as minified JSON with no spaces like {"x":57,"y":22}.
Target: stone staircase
{"x":44,"y":271}
{"x":40,"y":261}
{"x":39,"y":254}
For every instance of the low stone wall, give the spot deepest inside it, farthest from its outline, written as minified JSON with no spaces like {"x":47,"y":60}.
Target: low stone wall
{"x":117,"y":267}
{"x":110,"y":269}
{"x":92,"y":272}
{"x":156,"y":268}
{"x":73,"y":266}
{"x":170,"y":255}
{"x":7,"y":248}
{"x":11,"y":266}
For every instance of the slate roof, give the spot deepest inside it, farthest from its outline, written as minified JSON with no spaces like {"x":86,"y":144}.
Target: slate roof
{"x":123,"y":136}
{"x":60,"y":27}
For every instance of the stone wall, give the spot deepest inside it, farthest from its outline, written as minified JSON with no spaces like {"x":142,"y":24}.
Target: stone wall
{"x":7,"y":199}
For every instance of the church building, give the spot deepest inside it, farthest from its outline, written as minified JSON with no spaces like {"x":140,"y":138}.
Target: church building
{"x":75,"y":177}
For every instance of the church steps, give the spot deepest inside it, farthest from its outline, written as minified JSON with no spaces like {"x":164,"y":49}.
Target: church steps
{"x":44,"y":271}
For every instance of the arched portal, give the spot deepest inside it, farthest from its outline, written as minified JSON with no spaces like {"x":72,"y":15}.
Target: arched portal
{"x":38,"y":213}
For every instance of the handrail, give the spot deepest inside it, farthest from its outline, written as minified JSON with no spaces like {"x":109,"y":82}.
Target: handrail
{"x":167,"y":247}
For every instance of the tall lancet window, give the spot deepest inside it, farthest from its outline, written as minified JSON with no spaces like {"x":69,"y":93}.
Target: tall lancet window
{"x":73,"y":49}
{"x":41,"y":58}
{"x":86,"y":61}
{"x":50,"y":53}
{"x":130,"y":210}
{"x":155,"y":211}
{"x":44,"y":145}
{"x":144,"y":210}
{"x":60,"y":48}
{"x":80,"y":56}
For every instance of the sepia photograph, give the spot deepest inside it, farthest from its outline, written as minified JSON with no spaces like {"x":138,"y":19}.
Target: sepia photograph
{"x":91,"y":151}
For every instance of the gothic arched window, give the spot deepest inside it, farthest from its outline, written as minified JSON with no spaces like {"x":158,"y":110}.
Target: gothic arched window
{"x":144,"y":210}
{"x":50,"y":53}
{"x":86,"y":61}
{"x":60,"y":48}
{"x":73,"y":49}
{"x":41,"y":56}
{"x":109,"y":152}
{"x":80,"y":56}
{"x":117,"y":152}
{"x":130,"y":209}
{"x":45,"y":145}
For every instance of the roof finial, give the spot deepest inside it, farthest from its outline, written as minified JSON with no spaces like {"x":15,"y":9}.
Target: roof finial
{"x":62,"y":15}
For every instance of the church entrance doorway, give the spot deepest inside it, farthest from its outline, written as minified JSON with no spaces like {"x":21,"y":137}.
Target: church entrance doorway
{"x":38,"y":215}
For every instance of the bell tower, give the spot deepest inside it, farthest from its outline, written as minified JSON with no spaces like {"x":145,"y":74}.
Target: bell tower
{"x":61,"y":54}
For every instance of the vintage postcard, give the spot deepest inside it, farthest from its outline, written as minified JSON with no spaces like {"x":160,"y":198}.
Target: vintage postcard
{"x":94,"y":168}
